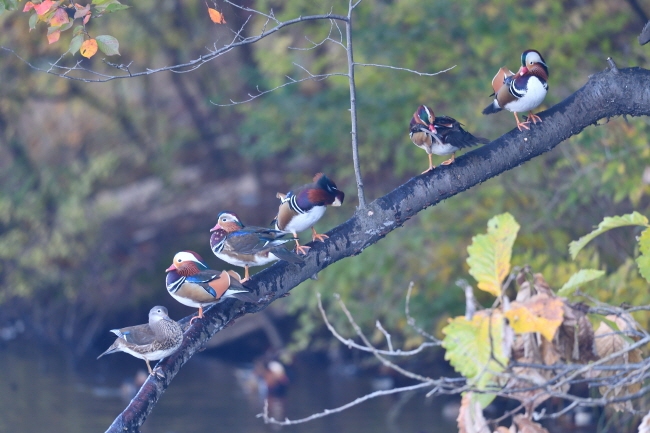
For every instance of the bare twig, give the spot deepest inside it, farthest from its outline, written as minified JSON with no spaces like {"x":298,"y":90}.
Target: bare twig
{"x":411,"y":321}
{"x":422,"y":74}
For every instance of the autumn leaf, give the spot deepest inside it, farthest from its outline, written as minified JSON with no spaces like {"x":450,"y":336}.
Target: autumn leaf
{"x":608,"y":342}
{"x":54,"y":36}
{"x":470,"y":416}
{"x":216,"y":16}
{"x":28,"y":7}
{"x":88,"y":48}
{"x":608,"y":223}
{"x":475,"y":348}
{"x":489,"y":254}
{"x":43,"y":8}
{"x":82,"y":11}
{"x":539,"y":314}
{"x":60,"y":17}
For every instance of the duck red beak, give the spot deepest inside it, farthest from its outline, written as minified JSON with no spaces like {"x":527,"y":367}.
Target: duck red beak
{"x":432,"y":128}
{"x":215,"y":228}
{"x":171,"y":268}
{"x":523,"y":70}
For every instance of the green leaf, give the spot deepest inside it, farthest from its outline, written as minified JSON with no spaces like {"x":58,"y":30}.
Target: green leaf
{"x":578,"y":279}
{"x":633,"y":219}
{"x":115,"y":7}
{"x":489,"y":254}
{"x":108,"y":45}
{"x":33,"y":19}
{"x":475,"y":348}
{"x":2,"y":7}
{"x":79,"y":30}
{"x":75,"y":44}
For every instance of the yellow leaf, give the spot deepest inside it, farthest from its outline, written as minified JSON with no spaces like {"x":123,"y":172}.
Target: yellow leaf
{"x":539,"y":314}
{"x":216,"y":16}
{"x":88,"y":48}
{"x":489,"y":254}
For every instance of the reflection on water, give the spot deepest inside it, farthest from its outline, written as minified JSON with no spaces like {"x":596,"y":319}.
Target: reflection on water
{"x":42,"y":389}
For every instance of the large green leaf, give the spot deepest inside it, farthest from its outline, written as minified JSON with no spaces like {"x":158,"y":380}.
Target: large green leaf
{"x":633,"y":219}
{"x":108,"y":45}
{"x":475,"y":347}
{"x":489,"y":254}
{"x":578,"y":279}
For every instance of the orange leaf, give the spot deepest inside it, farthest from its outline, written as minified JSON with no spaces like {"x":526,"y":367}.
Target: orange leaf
{"x":60,"y":17}
{"x":28,"y":7}
{"x":54,"y":36}
{"x":216,"y":16}
{"x":44,"y":7}
{"x":88,"y":48}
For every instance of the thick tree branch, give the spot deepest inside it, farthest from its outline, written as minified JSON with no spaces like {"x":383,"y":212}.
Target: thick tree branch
{"x":605,"y":95}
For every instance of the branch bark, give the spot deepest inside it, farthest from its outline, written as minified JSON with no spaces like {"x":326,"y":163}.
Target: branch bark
{"x":605,"y":95}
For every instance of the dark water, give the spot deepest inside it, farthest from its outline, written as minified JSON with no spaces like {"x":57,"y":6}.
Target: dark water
{"x":44,"y":390}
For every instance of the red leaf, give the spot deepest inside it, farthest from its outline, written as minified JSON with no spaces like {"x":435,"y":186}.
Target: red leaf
{"x":44,"y":7}
{"x":28,"y":7}
{"x":60,"y":17}
{"x":216,"y":16}
{"x":86,"y":18}
{"x":54,"y":36}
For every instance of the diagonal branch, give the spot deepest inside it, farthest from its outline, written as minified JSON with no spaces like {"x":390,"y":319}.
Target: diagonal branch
{"x":179,"y":68}
{"x":605,"y":95}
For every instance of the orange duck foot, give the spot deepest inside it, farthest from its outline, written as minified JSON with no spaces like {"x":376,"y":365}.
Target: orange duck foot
{"x":450,"y":160}
{"x":521,"y":124}
{"x":534,"y":117}
{"x":316,"y":237}
{"x":302,"y":249}
{"x":200,"y":316}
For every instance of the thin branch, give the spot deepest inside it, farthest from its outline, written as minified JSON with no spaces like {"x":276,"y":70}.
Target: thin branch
{"x":352,"y":344}
{"x":422,"y":74}
{"x":386,"y":335}
{"x":326,"y":412}
{"x":179,"y":68}
{"x":411,"y":321}
{"x":353,"y":111}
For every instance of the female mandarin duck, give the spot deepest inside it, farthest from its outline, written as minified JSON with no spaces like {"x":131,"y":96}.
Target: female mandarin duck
{"x":152,"y":341}
{"x":523,"y":91}
{"x":441,"y":135}
{"x":304,"y":206}
{"x":191,"y":283}
{"x":246,"y":246}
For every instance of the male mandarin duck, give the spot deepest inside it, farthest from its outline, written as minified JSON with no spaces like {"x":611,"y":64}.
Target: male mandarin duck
{"x":152,"y":341}
{"x":302,"y":207}
{"x":441,"y":135}
{"x":523,"y":91}
{"x":191,"y":283}
{"x":246,"y":246}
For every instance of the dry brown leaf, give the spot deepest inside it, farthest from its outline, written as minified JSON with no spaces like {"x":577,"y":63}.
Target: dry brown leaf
{"x":575,"y":338}
{"x":549,"y":353}
{"x":470,"y":417}
{"x":527,"y":377}
{"x":608,"y":342}
{"x":526,"y":425}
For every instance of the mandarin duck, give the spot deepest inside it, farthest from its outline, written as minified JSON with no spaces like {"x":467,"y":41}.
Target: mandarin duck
{"x":152,"y":341}
{"x":441,"y":135}
{"x":191,"y":283}
{"x":523,"y":91}
{"x":247,"y":246}
{"x":302,"y":207}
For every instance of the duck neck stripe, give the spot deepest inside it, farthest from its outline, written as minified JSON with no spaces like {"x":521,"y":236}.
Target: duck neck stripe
{"x":294,"y":206}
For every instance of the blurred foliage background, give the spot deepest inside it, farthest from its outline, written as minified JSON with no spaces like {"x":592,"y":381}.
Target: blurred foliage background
{"x":103,"y":183}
